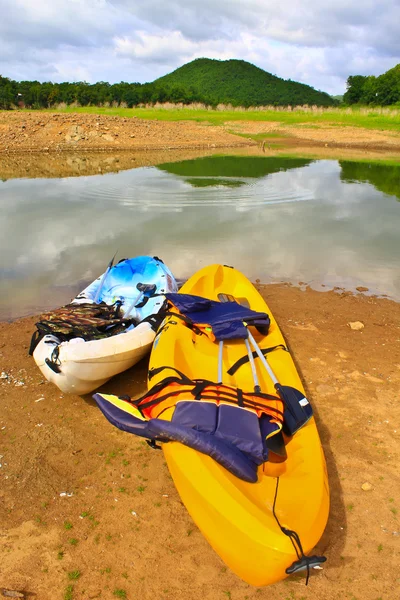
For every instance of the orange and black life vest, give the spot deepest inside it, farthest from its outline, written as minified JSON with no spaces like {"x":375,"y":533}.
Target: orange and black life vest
{"x":171,"y":390}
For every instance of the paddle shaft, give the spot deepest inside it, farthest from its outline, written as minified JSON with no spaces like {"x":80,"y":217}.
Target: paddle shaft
{"x":132,"y":306}
{"x":263,"y":359}
{"x":257,"y":387}
{"x":110,"y":264}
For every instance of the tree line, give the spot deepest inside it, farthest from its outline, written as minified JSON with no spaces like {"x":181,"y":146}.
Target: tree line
{"x":383,"y":90}
{"x":204,"y":81}
{"x":34,"y":94}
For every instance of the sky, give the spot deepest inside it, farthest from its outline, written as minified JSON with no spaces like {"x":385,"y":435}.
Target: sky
{"x":316,"y":42}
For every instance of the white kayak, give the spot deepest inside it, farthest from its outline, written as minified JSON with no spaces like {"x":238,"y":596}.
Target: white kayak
{"x":78,"y":366}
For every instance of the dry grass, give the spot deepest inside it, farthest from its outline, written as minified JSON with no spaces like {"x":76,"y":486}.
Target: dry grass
{"x":198,"y":106}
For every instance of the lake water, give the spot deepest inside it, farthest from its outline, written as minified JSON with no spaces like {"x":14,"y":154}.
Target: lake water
{"x":320,"y":222}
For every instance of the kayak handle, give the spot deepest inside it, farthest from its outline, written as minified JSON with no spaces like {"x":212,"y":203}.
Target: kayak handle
{"x":52,"y":365}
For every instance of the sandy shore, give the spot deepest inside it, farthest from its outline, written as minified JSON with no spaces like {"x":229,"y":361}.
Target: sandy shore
{"x":88,"y":511}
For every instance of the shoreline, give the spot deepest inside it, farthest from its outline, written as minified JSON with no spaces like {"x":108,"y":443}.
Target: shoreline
{"x":81,"y":496}
{"x":359,"y":291}
{"x":89,"y":162}
{"x":24,"y":132}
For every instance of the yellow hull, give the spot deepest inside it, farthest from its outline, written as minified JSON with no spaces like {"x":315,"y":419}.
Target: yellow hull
{"x":237,"y":517}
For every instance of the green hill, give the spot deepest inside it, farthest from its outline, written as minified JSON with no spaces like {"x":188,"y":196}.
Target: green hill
{"x":239,"y":83}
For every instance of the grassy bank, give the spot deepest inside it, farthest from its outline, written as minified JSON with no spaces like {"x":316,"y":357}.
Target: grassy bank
{"x":378,"y":118}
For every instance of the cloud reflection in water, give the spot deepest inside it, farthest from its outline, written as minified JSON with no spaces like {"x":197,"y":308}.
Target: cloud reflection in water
{"x":299,"y":224}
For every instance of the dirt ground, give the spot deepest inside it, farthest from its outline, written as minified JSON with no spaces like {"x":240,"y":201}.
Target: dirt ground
{"x":322,"y":135}
{"x":22,"y":131}
{"x":88,"y":511}
{"x":58,"y":132}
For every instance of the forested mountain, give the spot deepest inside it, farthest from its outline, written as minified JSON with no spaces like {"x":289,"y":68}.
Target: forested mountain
{"x":240,"y":83}
{"x":381,"y":91}
{"x":204,"y":80}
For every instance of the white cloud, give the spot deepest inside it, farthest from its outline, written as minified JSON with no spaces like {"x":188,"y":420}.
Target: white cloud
{"x":317,"y":43}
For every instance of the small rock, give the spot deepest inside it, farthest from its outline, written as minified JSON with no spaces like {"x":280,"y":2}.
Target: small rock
{"x":361,"y":288}
{"x":12,"y":593}
{"x":366,"y":487}
{"x":356,"y":325}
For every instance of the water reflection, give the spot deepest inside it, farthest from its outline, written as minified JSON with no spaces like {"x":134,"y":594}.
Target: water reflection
{"x":214,"y":182}
{"x":302,"y":222}
{"x":385,"y":178}
{"x":232,"y":166}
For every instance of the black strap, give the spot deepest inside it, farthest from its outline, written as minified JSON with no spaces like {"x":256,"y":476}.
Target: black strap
{"x":156,"y":370}
{"x":199,"y":389}
{"x":35,"y":339}
{"x":154,"y":320}
{"x":152,"y":444}
{"x":54,"y":362}
{"x":52,"y":365}
{"x":246,"y":404}
{"x":185,"y":319}
{"x":240,"y":398}
{"x":245,"y":359}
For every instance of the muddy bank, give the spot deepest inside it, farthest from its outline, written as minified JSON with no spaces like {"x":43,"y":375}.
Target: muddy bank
{"x":88,"y":506}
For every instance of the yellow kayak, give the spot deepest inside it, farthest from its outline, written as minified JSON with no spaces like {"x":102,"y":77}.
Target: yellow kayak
{"x":236,"y":517}
{"x":261,"y":530}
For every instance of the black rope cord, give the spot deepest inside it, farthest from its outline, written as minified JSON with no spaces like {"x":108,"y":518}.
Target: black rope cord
{"x":293,"y":536}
